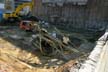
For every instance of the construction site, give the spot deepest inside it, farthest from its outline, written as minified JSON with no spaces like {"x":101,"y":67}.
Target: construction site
{"x":53,"y":35}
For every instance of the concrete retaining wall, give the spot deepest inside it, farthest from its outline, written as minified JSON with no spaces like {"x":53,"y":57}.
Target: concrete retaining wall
{"x":91,"y":15}
{"x":91,"y":64}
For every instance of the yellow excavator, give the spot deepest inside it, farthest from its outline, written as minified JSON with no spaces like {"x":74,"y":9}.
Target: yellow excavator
{"x":15,"y":15}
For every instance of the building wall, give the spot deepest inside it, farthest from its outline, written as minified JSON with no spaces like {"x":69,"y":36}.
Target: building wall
{"x":93,"y":14}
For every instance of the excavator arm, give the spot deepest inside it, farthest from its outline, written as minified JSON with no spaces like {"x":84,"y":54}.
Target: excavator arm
{"x":19,"y":8}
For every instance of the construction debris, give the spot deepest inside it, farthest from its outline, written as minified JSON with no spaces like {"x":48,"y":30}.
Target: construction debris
{"x":41,"y":50}
{"x":51,"y":44}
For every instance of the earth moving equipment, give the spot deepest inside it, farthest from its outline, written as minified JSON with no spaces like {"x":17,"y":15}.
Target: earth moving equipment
{"x":26,"y":25}
{"x":15,"y":15}
{"x":29,"y":25}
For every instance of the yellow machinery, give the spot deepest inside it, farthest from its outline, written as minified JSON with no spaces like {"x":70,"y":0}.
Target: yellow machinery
{"x":18,"y":9}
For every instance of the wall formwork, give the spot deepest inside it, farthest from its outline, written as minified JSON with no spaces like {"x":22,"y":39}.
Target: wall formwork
{"x":92,"y":15}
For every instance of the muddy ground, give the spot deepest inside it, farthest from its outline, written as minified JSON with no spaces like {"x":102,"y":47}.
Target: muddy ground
{"x":18,"y":55}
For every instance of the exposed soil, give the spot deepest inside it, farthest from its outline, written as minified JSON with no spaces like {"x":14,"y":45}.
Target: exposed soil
{"x":18,"y":55}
